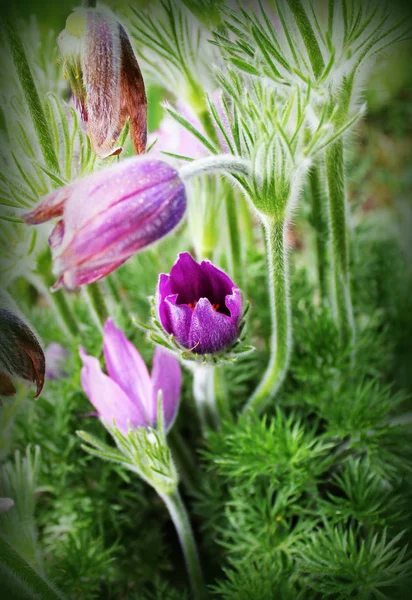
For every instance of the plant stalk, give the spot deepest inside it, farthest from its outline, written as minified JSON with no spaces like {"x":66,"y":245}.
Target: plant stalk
{"x":89,"y":3}
{"x":204,"y":395}
{"x":183,"y":458}
{"x":58,"y":302}
{"x":281,"y":340}
{"x":97,"y":303}
{"x":321,"y":225}
{"x":181,"y":522}
{"x":31,"y":95}
{"x":342,"y":302}
{"x":234,"y":237}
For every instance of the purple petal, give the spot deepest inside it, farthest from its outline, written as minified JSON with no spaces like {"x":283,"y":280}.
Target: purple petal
{"x":166,"y":376}
{"x":56,"y":236}
{"x":211,"y":331}
{"x":76,"y":276}
{"x":95,"y":194}
{"x":163,"y":290}
{"x":108,"y":398}
{"x":127,"y":368}
{"x":233,"y":303}
{"x":50,"y":206}
{"x":128,"y":226}
{"x":220,"y":284}
{"x":188,"y":279}
{"x":180,"y":319}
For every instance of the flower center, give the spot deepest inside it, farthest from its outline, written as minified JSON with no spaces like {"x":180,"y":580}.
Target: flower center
{"x":192,"y":305}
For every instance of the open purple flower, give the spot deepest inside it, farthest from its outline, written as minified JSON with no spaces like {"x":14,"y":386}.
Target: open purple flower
{"x":128,"y":395}
{"x":199,"y":305}
{"x":105,"y":78}
{"x":109,"y":216}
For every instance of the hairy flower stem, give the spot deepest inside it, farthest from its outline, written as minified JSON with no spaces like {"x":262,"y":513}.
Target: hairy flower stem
{"x":89,"y":3}
{"x":31,"y":95}
{"x":281,"y":340}
{"x":58,"y":302}
{"x":97,"y":303}
{"x":235,"y":254}
{"x":321,"y":225}
{"x":341,"y":293}
{"x":205,"y":396}
{"x":181,"y":522}
{"x":183,"y":459}
{"x":214,"y":164}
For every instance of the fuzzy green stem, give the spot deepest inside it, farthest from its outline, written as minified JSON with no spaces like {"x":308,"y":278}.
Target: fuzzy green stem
{"x":97,"y":303}
{"x":342,"y":301}
{"x":320,"y":222}
{"x":281,"y":340}
{"x":89,"y":3}
{"x":213,"y":164}
{"x":31,"y":95}
{"x":183,"y":527}
{"x":58,"y":302}
{"x":234,"y":237}
{"x":204,"y":395}
{"x":21,"y":576}
{"x":183,"y":458}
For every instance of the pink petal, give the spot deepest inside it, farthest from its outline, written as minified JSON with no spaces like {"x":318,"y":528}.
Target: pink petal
{"x":127,"y":368}
{"x":166,"y":376}
{"x":108,"y":398}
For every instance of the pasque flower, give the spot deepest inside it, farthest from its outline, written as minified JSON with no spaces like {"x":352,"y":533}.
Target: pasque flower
{"x":199,"y":305}
{"x":105,"y":78}
{"x":21,"y":355}
{"x":108,"y":216}
{"x":128,"y":395}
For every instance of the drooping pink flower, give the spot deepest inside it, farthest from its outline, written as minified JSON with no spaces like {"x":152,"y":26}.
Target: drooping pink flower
{"x":128,"y":395}
{"x":200,"y":305}
{"x":109,"y":216}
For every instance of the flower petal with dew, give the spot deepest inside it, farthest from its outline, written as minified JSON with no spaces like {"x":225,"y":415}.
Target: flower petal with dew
{"x":199,"y":305}
{"x":128,"y":395}
{"x":105,"y":78}
{"x":109,"y":216}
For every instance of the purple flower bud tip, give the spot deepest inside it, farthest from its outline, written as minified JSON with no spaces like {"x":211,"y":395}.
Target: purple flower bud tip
{"x":199,"y":305}
{"x":56,"y":356}
{"x":109,"y":216}
{"x":21,"y":355}
{"x":105,"y":78}
{"x":128,"y":395}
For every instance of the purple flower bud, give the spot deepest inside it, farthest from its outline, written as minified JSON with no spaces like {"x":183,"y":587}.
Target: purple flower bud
{"x":21,"y":355}
{"x":56,"y":356}
{"x":108,"y":216}
{"x":199,"y":305}
{"x":128,"y":395}
{"x":5,"y":504}
{"x":105,"y":78}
